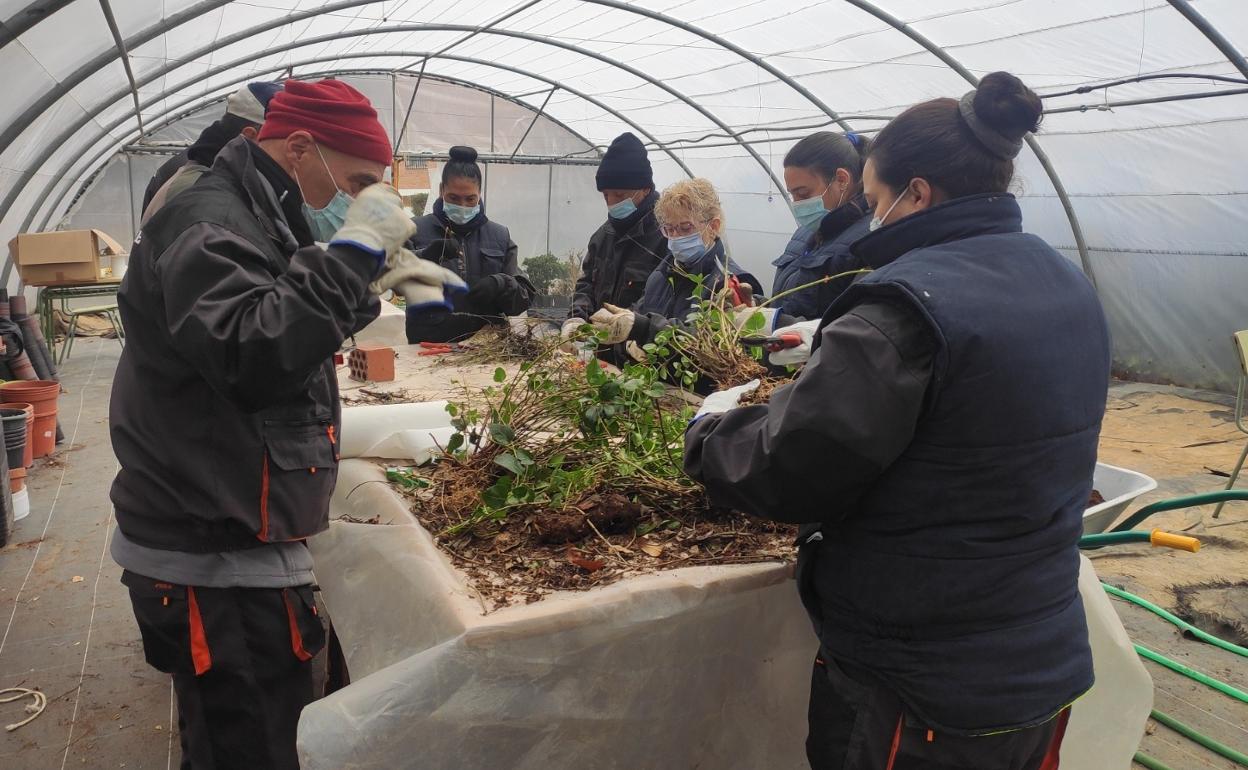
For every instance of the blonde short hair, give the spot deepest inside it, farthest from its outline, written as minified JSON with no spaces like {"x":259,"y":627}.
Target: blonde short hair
{"x":694,"y":197}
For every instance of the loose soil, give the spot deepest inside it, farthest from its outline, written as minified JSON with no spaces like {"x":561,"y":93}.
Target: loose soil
{"x":604,"y":539}
{"x":763,"y":393}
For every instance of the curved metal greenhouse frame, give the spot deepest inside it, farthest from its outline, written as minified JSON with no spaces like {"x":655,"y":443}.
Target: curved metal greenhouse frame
{"x":31,"y":15}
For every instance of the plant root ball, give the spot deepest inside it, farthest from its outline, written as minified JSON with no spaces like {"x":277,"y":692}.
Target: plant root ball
{"x":610,"y":514}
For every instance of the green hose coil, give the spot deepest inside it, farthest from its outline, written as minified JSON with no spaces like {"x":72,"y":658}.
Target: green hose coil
{"x":1187,"y":732}
{"x":1186,"y":627}
{"x":1192,"y":673}
{"x":1149,"y":762}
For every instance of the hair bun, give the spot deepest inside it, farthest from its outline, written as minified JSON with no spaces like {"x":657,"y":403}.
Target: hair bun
{"x":463,"y":154}
{"x":1006,"y":105}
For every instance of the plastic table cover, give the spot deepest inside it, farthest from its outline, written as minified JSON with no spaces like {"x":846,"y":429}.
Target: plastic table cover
{"x":697,"y":667}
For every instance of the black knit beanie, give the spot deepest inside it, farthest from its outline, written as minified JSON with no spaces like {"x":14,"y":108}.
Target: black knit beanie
{"x":625,"y":166}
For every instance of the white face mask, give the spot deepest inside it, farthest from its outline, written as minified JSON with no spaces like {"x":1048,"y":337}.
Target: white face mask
{"x":878,"y":222}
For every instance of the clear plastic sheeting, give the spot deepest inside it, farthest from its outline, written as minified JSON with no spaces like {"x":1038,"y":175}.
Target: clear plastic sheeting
{"x":717,"y":90}
{"x":697,"y":667}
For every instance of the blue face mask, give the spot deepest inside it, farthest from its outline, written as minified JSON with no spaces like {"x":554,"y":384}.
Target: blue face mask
{"x":622,"y":210}
{"x":460,"y":215}
{"x":327,"y":220}
{"x":809,"y":212}
{"x":687,"y":249}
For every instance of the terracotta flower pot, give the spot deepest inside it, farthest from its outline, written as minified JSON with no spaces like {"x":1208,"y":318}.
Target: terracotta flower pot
{"x":42,"y":395}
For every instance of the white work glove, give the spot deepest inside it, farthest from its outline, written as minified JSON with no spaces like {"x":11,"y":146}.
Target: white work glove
{"x":567,"y":333}
{"x":799,"y":354}
{"x":723,"y":400}
{"x":421,"y":282}
{"x":742,"y":315}
{"x":615,"y":321}
{"x":376,"y":222}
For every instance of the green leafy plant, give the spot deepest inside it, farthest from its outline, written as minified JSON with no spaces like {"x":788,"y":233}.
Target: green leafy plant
{"x":558,"y":432}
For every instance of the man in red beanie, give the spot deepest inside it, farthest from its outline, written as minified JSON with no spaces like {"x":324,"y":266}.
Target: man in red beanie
{"x":225,"y":411}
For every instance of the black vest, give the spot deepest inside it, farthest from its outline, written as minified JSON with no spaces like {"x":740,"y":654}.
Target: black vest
{"x":955,"y":580}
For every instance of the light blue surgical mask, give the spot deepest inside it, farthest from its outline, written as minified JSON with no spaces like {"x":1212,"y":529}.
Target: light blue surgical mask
{"x":878,"y":222}
{"x":460,"y":215}
{"x":328,"y":219}
{"x":687,"y":249}
{"x":622,"y":210}
{"x":809,"y":212}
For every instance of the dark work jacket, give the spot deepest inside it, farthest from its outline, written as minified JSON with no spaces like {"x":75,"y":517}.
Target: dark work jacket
{"x":670,"y":291}
{"x":487,"y":249}
{"x":620,"y":257}
{"x":164,"y":174}
{"x":225,"y":408}
{"x":817,"y":252}
{"x":486,"y":254}
{"x":949,"y":569}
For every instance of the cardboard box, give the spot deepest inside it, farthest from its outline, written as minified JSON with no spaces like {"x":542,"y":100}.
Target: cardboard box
{"x":65,"y":257}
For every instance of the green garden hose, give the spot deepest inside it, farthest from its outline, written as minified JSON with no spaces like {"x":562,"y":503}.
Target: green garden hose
{"x":1193,"y":674}
{"x":1187,"y":732}
{"x":1149,"y":762}
{"x":1123,"y":535}
{"x":1186,"y":627}
{"x":1157,"y":537}
{"x":1206,"y":498}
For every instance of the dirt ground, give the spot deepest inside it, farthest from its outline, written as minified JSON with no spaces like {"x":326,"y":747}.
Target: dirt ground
{"x":1188,"y":442}
{"x":1188,"y":446}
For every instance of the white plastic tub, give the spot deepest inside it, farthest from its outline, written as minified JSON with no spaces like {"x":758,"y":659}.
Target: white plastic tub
{"x":21,"y":504}
{"x":1119,"y":487}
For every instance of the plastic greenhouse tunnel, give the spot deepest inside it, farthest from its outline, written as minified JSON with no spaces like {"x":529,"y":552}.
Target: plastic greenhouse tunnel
{"x":428,"y":607}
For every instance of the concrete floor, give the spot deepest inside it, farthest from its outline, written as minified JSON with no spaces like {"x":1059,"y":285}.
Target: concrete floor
{"x":66,"y":626}
{"x":65,"y":621}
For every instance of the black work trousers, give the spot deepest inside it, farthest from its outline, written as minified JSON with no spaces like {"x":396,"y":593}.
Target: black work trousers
{"x":858,"y":724}
{"x":240,"y":661}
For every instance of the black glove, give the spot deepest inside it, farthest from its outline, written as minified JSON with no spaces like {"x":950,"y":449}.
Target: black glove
{"x":500,"y":295}
{"x":442,"y":251}
{"x":440,"y":325}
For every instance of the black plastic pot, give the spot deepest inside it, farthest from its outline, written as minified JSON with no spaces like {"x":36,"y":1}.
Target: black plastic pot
{"x":14,"y":424}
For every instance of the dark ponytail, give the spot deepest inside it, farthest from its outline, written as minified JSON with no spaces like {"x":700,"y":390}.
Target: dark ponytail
{"x":463,"y":165}
{"x":825,"y":152}
{"x":961,"y":148}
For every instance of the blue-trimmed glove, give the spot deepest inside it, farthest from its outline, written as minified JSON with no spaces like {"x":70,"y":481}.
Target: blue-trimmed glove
{"x":723,"y":400}
{"x":421,"y":282}
{"x":376,"y":223}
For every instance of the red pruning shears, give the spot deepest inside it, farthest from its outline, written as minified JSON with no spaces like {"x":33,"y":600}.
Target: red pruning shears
{"x":740,"y":294}
{"x":774,"y":344}
{"x":436,"y":348}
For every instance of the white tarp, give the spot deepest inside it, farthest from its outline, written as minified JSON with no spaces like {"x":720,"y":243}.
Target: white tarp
{"x":697,"y":667}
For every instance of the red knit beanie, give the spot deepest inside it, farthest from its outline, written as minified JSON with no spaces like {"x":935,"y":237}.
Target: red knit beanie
{"x":334,"y":113}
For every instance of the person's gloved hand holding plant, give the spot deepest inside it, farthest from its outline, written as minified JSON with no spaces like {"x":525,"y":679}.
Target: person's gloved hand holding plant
{"x":615,"y":322}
